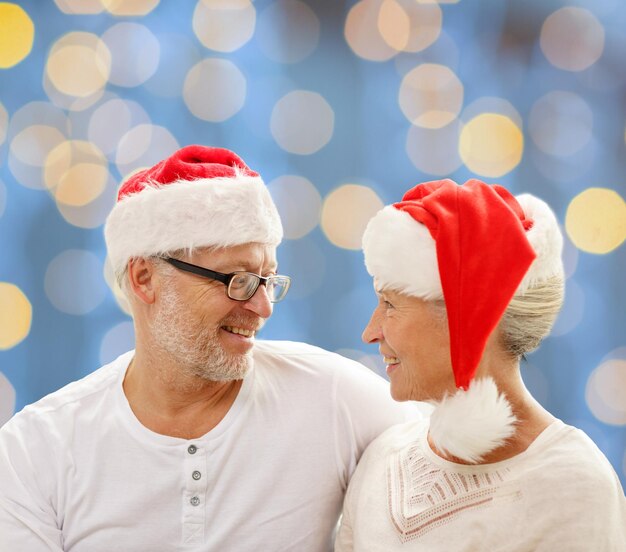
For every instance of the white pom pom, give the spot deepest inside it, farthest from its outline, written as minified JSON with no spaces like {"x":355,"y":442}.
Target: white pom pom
{"x":469,"y":424}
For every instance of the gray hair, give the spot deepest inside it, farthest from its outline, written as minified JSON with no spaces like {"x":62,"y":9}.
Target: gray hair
{"x":530,"y":316}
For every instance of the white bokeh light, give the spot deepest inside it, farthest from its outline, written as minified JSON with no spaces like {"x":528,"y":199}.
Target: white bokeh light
{"x":28,"y":152}
{"x":605,"y":391}
{"x":4,"y":123}
{"x":39,"y":113}
{"x":434,"y":151}
{"x":224,"y":25}
{"x":214,"y":90}
{"x":572,"y":39}
{"x":560,"y":123}
{"x":118,"y":340}
{"x":299,"y":204}
{"x":431,"y":95}
{"x":80,"y":7}
{"x":144,"y":146}
{"x":131,"y":69}
{"x":302,"y":122}
{"x":74,"y":283}
{"x":111,"y":120}
{"x":129,"y":8}
{"x":7,"y":399}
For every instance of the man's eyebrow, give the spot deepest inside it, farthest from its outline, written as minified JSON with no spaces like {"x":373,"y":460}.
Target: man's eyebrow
{"x":250,"y":266}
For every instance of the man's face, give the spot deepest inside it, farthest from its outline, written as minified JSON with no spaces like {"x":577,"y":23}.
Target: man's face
{"x":197,"y":324}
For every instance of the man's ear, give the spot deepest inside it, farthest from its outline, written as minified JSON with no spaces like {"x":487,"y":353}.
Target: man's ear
{"x":142,"y":279}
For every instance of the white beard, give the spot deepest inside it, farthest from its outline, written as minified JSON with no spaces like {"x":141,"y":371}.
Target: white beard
{"x":196,"y":348}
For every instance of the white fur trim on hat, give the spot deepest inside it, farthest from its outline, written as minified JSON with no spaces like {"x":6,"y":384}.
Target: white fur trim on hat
{"x":469,"y":424}
{"x":400,"y":254}
{"x":545,"y":238}
{"x":215,"y":212}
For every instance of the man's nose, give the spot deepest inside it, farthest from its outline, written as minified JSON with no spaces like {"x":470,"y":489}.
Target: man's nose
{"x":260,"y":303}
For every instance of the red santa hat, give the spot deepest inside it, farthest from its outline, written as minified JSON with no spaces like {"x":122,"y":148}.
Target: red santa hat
{"x":198,"y":197}
{"x":475,"y":246}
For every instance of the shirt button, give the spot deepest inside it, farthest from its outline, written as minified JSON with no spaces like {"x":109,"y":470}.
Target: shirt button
{"x":194,"y":500}
{"x":196,"y":475}
{"x":191,"y":449}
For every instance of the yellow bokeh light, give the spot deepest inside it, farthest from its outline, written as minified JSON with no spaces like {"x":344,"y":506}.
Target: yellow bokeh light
{"x":224,"y":25}
{"x":394,"y":24}
{"x":346,"y":212}
{"x":491,"y":145}
{"x":572,"y":39}
{"x":129,"y":7}
{"x":94,"y":213}
{"x":79,"y":64}
{"x":596,"y":220}
{"x":605,"y":391}
{"x":362,"y":32}
{"x":409,"y":25}
{"x":16,"y":315}
{"x":431,"y":95}
{"x":80,"y":7}
{"x":76,"y":172}
{"x":17,"y":33}
{"x":81,"y":184}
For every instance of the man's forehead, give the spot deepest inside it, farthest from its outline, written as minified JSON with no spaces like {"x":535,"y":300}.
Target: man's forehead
{"x":247,"y":256}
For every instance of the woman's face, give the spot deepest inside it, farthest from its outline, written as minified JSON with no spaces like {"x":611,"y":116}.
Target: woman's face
{"x":412,"y":336}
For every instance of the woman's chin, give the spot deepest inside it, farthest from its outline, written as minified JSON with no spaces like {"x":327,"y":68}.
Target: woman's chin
{"x":398,"y":393}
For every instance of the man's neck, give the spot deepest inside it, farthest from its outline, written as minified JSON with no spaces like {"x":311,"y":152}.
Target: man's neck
{"x":169,"y":401}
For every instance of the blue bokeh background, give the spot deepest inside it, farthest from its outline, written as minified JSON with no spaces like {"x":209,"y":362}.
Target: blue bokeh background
{"x":494,"y":49}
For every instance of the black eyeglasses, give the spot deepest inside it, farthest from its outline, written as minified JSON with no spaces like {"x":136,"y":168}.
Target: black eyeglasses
{"x":240,"y":286}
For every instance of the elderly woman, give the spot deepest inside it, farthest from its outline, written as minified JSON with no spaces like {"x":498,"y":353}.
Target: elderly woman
{"x":469,"y":279}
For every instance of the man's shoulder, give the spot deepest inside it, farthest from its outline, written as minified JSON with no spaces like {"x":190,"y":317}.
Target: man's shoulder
{"x":307,"y":356}
{"x":76,"y":392}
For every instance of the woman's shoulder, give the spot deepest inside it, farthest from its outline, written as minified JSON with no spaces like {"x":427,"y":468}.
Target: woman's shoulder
{"x":398,"y":437}
{"x":569,"y":458}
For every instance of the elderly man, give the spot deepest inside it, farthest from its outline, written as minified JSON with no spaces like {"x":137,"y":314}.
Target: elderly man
{"x":200,"y":438}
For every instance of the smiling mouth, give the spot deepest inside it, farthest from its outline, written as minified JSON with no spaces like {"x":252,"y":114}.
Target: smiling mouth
{"x":390,"y":360}
{"x":239,"y":331}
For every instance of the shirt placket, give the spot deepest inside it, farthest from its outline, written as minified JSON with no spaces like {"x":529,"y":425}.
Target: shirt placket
{"x":194,"y":494}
